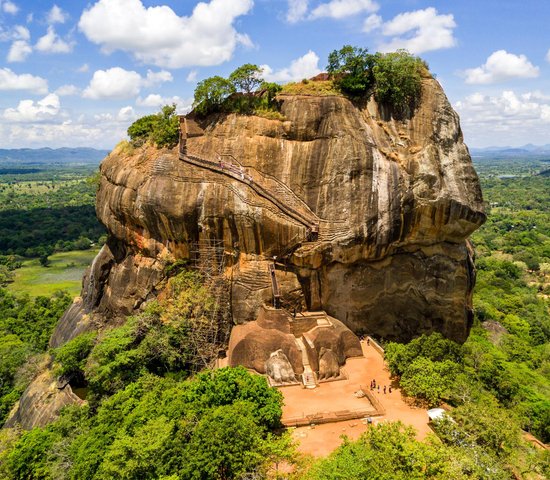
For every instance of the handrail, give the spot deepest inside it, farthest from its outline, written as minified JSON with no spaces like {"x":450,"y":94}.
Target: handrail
{"x":300,"y":217}
{"x":306,"y":217}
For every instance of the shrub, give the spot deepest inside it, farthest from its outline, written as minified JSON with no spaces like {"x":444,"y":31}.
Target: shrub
{"x":397,"y":79}
{"x":350,"y":68}
{"x":247,"y":78}
{"x":72,"y":356}
{"x":394,"y":78}
{"x":162,"y":128}
{"x":140,"y":131}
{"x":166,"y":129}
{"x":211,"y":93}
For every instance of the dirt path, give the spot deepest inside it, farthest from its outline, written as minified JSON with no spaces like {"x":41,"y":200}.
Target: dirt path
{"x":323,"y":439}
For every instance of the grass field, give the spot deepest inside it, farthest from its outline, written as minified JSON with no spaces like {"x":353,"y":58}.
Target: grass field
{"x":64,"y":273}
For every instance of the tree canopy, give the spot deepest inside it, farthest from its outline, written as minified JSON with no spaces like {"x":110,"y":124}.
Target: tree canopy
{"x":394,"y":78}
{"x":162,"y":128}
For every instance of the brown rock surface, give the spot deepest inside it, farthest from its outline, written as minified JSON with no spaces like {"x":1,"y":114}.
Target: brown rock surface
{"x":395,"y":201}
{"x":41,"y":402}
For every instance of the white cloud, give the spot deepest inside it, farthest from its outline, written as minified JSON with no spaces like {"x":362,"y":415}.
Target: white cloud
{"x":18,"y":32}
{"x":156,"y":78}
{"x":192,"y":76}
{"x":505,"y":118}
{"x":113,"y":83}
{"x":11,"y":81}
{"x":119,"y":83}
{"x":548,"y":55}
{"x":10,"y":7}
{"x":372,"y":22}
{"x":126,"y":114}
{"x":154,"y":100}
{"x":343,"y":8}
{"x":21,"y":33}
{"x":67,"y":90}
{"x":63,"y":134}
{"x":19,"y":51}
{"x":297,"y":10}
{"x":500,"y":67}
{"x":52,"y":43}
{"x":83,"y":68}
{"x":303,"y":67}
{"x":158,"y":36}
{"x":56,"y":15}
{"x":419,"y":31}
{"x":31,"y":111}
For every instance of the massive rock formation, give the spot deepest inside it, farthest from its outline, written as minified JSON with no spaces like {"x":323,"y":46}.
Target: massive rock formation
{"x":394,"y":201}
{"x":369,"y":215}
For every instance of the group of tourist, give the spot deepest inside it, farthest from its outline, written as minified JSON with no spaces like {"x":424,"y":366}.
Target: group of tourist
{"x":375,"y":386}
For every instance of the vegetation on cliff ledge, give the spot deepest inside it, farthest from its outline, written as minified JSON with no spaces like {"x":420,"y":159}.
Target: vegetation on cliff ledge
{"x":161,"y":129}
{"x":393,"y":78}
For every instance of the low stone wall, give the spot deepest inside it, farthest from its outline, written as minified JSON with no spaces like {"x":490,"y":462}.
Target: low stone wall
{"x":328,"y":417}
{"x":376,"y":345}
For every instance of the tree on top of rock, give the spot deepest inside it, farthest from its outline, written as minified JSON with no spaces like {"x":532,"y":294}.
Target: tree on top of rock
{"x":247,"y":78}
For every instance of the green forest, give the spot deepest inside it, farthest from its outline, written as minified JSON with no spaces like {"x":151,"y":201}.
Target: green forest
{"x":150,"y":415}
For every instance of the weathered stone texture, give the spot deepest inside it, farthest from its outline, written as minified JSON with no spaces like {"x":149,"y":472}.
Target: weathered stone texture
{"x":406,"y":190}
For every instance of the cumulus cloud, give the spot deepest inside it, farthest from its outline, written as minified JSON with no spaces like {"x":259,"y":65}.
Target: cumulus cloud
{"x":52,"y":43}
{"x":19,"y":51}
{"x":156,"y":78}
{"x":67,"y":90}
{"x":343,"y":8}
{"x":119,"y":83}
{"x":10,"y":7}
{"x":113,"y":83}
{"x":31,"y":111}
{"x":154,"y":100}
{"x":500,"y":67}
{"x":372,"y":22}
{"x":303,"y":67}
{"x":83,"y":68}
{"x":56,"y":15}
{"x":297,"y":10}
{"x":20,"y":48}
{"x":158,"y":36}
{"x":62,"y":134}
{"x":419,"y":31}
{"x":11,"y":81}
{"x":191,"y":76}
{"x":507,"y":117}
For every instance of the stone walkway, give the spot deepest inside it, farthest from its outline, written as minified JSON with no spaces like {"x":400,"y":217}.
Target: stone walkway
{"x":323,"y":439}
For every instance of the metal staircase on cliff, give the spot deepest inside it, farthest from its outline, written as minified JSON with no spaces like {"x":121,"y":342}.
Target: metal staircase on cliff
{"x":266,"y":186}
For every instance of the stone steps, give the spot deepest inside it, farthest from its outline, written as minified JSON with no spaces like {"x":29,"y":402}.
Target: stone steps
{"x":254,"y":279}
{"x":308,"y":377}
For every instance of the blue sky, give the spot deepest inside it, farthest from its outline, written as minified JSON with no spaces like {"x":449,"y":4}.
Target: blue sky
{"x":78,"y":73}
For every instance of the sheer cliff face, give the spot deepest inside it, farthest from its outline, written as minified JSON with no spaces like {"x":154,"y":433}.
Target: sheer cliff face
{"x":395,"y":202}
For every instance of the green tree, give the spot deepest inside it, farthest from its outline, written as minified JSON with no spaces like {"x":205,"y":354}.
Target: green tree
{"x":227,"y":443}
{"x":166,"y":129}
{"x":350,"y":68}
{"x":211,"y":93}
{"x":140,"y":131}
{"x":247,"y":78}
{"x":72,"y":356}
{"x":44,"y":260}
{"x":397,"y":79}
{"x":429,"y":381}
{"x":385,"y":451}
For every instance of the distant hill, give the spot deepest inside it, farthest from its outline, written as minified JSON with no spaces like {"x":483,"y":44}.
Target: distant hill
{"x":37,"y":156}
{"x":528,"y":150}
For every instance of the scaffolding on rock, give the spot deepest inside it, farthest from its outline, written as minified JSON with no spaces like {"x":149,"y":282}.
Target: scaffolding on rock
{"x":209,"y":334}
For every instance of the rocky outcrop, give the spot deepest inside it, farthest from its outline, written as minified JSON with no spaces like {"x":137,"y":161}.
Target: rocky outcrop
{"x":394,"y":201}
{"x":41,"y":402}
